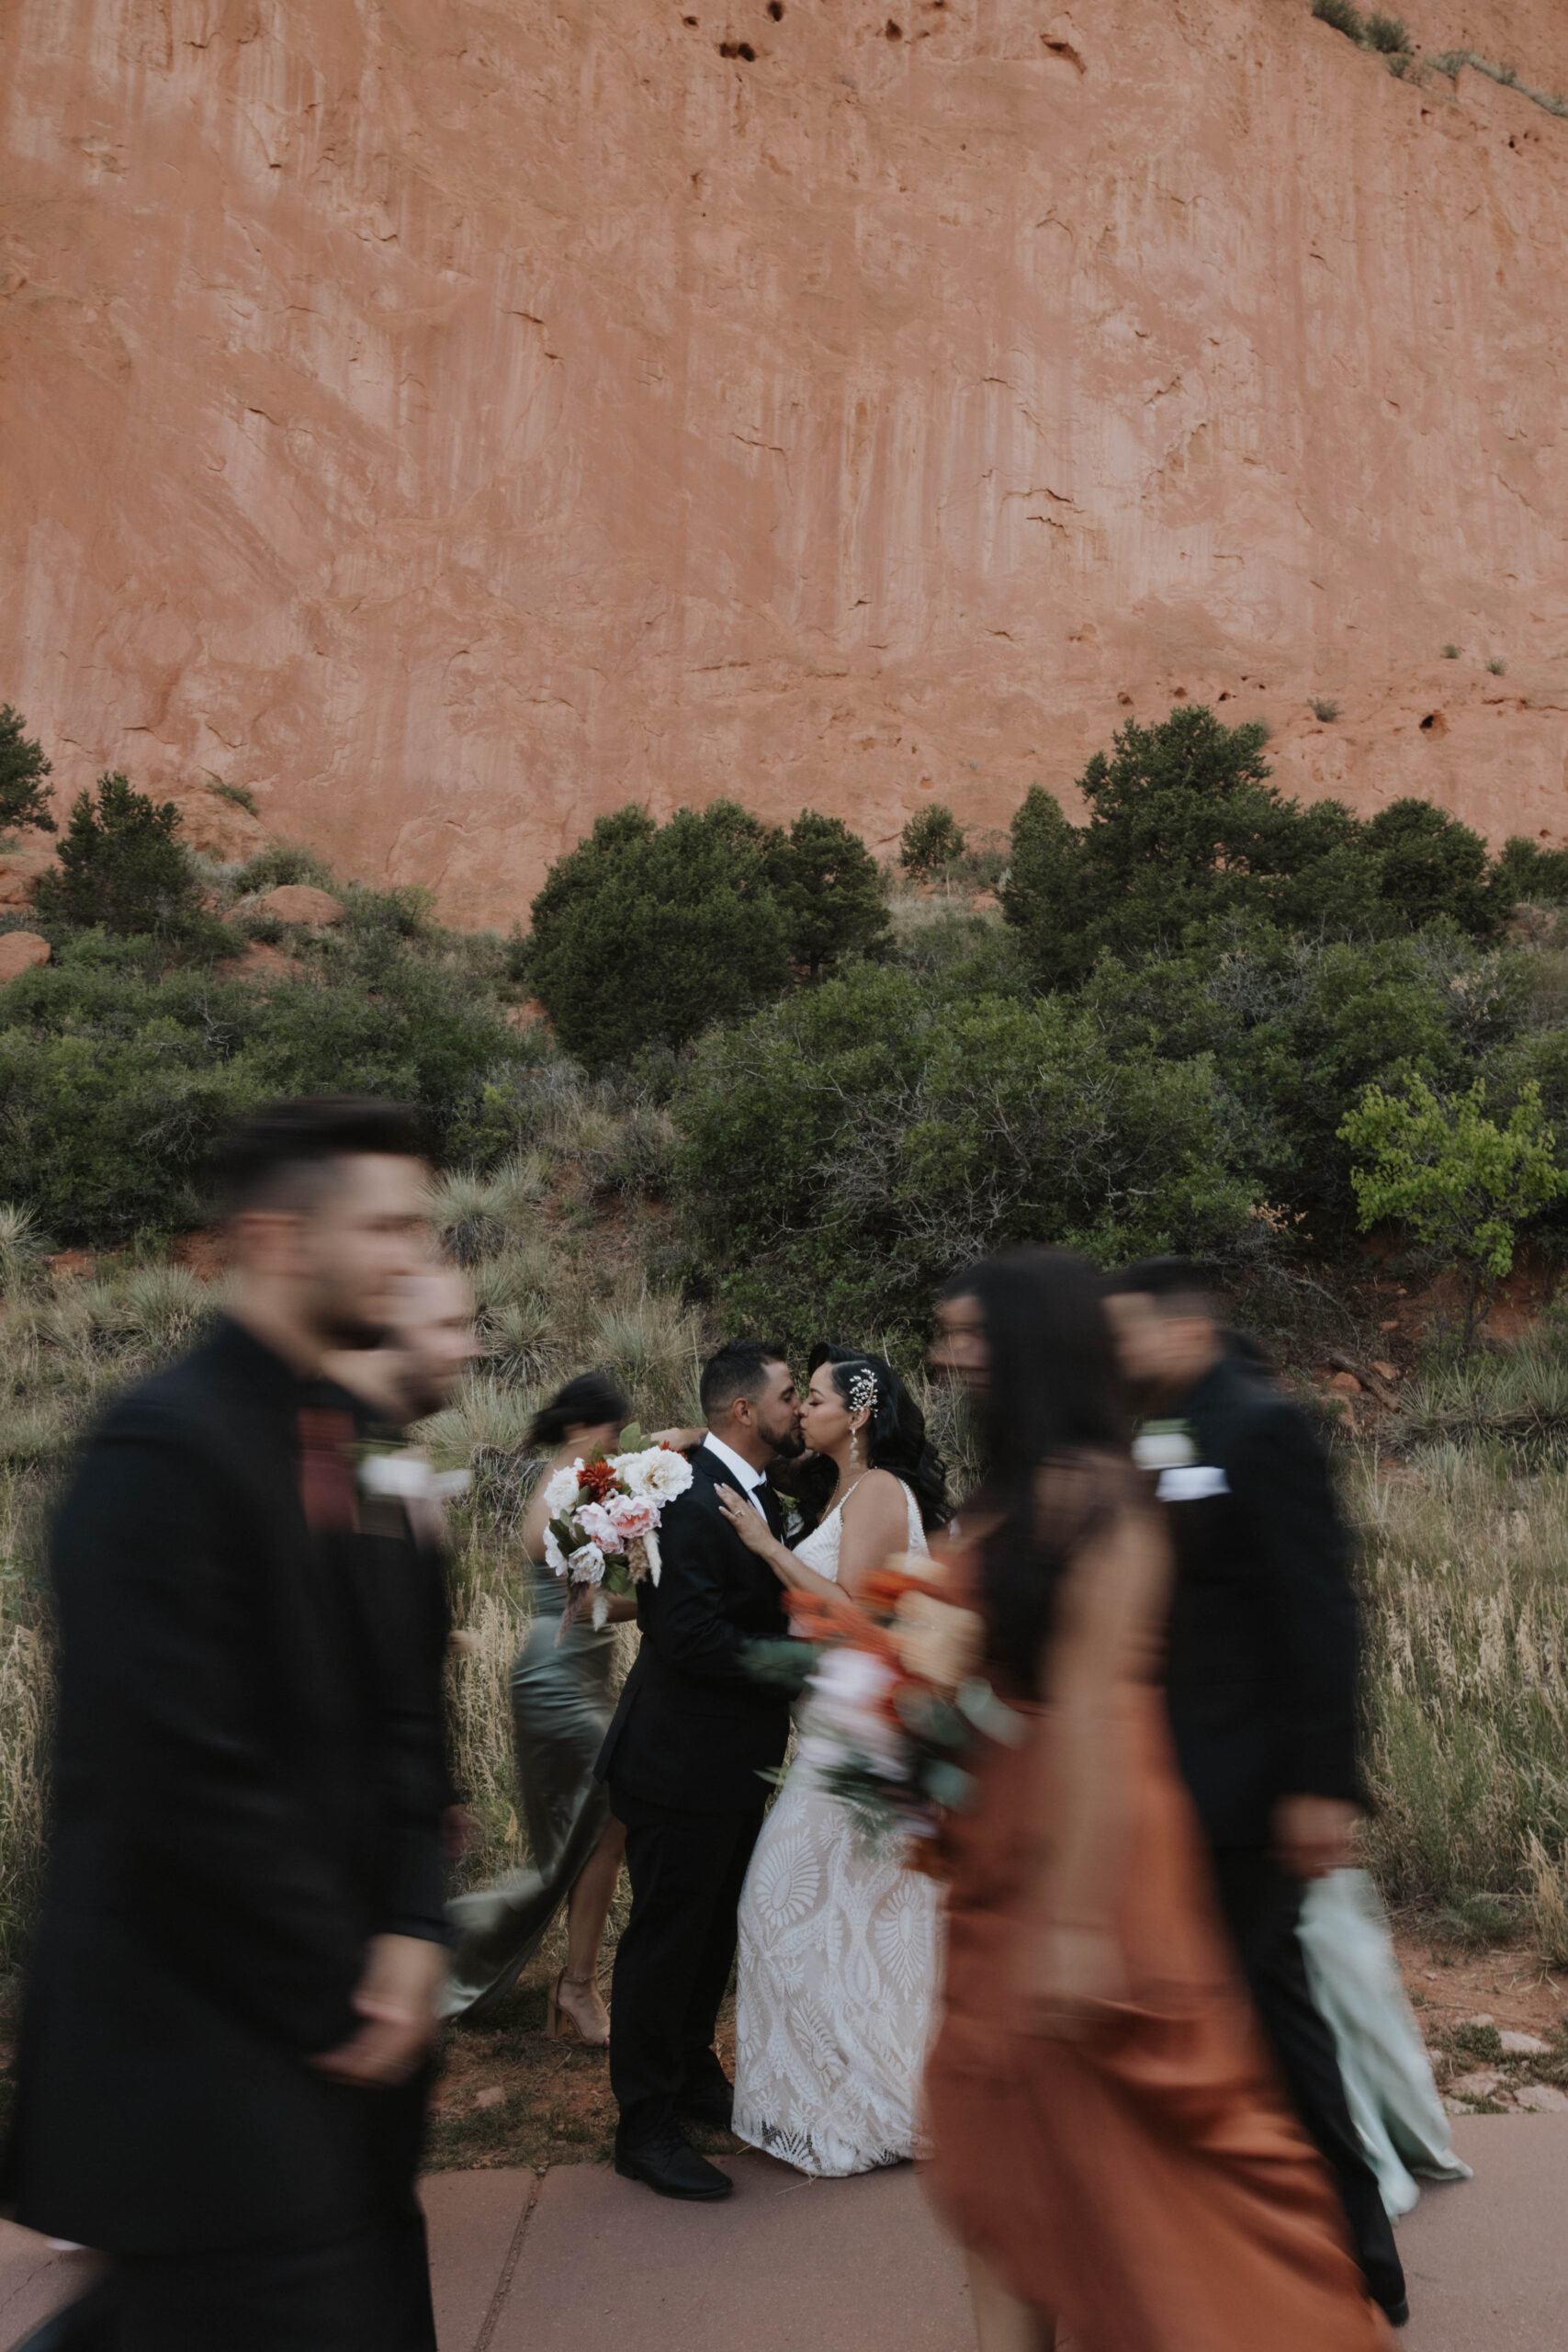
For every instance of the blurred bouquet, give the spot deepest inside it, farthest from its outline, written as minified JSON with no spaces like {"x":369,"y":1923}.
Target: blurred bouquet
{"x":893,"y":1702}
{"x":604,"y":1512}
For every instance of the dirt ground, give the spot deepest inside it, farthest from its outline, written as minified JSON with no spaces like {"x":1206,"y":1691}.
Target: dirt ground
{"x":508,"y":2096}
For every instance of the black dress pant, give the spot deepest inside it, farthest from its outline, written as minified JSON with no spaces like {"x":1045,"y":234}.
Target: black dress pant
{"x":673,"y":1960}
{"x":1262,"y":1905}
{"x":364,"y":2289}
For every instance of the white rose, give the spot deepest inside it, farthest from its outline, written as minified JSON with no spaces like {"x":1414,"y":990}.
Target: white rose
{"x":563,"y":1489}
{"x":586,"y":1565}
{"x":554,"y":1557}
{"x":656,"y":1475}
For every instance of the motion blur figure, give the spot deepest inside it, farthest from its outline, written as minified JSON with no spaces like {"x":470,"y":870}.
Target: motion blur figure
{"x":231,"y":1991}
{"x":430,"y":1345}
{"x":562,"y":1701}
{"x":1107,"y":2135}
{"x":1260,"y":1676}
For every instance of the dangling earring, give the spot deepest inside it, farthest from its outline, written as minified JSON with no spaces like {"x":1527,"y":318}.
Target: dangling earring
{"x":854,"y":1449}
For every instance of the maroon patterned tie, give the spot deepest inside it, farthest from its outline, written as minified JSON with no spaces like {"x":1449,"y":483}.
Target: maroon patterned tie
{"x":326,"y":1470}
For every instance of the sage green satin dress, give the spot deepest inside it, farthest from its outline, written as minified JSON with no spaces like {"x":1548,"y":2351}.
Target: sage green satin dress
{"x":562,"y":1698}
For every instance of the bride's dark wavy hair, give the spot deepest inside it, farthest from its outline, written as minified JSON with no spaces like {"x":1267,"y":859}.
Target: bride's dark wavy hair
{"x":895,"y":1439}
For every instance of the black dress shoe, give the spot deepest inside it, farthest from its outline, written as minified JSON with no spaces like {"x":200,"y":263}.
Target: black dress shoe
{"x":671,"y":2167}
{"x":1397,"y":2314}
{"x":714,"y":2105}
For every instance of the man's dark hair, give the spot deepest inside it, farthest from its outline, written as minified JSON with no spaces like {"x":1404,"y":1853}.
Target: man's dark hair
{"x":1177,"y":1285}
{"x":738,"y":1369}
{"x":263,"y":1161}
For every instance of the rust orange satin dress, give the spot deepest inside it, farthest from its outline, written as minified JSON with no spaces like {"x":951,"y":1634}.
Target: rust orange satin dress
{"x":1145,"y":2184}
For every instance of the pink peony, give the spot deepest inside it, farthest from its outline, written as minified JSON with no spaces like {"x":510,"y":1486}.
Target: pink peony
{"x":600,"y":1526}
{"x":632,"y":1516}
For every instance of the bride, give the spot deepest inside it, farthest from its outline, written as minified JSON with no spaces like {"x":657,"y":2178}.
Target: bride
{"x":838,"y":1960}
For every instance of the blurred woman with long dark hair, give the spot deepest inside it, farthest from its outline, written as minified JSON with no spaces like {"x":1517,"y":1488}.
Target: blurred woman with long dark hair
{"x":1107,"y":2138}
{"x":838,"y":1958}
{"x":562,"y":1698}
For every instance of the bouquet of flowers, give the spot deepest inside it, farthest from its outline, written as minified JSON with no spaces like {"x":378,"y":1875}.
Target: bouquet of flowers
{"x":894,"y":1703}
{"x":604,"y":1510}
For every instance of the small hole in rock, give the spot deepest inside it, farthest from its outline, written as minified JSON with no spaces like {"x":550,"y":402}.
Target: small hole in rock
{"x":776,"y":10}
{"x":744,"y":48}
{"x":894,"y":31}
{"x":688,"y":20}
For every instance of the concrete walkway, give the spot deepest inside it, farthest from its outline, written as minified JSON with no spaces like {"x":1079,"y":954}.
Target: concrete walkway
{"x":583,"y":2262}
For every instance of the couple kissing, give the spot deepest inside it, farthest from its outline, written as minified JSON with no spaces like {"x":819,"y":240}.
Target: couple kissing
{"x":837,"y":1948}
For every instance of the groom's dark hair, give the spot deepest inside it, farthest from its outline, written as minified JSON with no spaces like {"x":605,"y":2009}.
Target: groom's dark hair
{"x":738,"y":1369}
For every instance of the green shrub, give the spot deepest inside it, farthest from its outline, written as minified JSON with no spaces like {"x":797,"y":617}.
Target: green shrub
{"x":644,"y":933}
{"x":1461,"y":1183}
{"x":1390,"y":35}
{"x":1526,"y":871}
{"x":116,"y":1074}
{"x":1324,"y":711}
{"x":1184,"y":828}
{"x":931,"y":843}
{"x":647,"y":932}
{"x":1341,"y":15}
{"x":826,"y":885}
{"x":845,"y":1149}
{"x":281,"y":863}
{"x":1498,"y":667}
{"x":24,"y":771}
{"x":121,"y":866}
{"x":239,"y":794}
{"x":1430,"y":866}
{"x":1186,"y":834}
{"x":1297,"y":1027}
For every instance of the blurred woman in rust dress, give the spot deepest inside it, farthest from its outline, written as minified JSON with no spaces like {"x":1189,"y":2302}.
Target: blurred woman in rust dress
{"x":1109,"y":2140}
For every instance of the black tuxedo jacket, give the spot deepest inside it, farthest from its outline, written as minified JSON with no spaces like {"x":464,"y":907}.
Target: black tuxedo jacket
{"x":246,"y":1788}
{"x":1262,"y":1656}
{"x":694,"y":1730}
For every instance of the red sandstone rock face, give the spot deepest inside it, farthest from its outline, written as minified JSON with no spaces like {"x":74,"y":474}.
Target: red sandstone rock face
{"x":21,"y":950}
{"x":454,"y":419}
{"x":297,"y":902}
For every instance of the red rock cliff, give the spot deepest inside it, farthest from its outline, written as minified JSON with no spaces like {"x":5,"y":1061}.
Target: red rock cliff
{"x":451,"y":418}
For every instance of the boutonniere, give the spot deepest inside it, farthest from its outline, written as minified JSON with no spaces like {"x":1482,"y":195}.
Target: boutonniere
{"x":1165,"y":1445}
{"x":789,"y":1513}
{"x":403,"y":1473}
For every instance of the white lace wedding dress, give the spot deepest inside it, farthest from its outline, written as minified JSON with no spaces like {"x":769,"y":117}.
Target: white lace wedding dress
{"x":838,"y":1971}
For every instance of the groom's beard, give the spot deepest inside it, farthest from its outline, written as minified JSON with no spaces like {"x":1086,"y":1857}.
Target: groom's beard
{"x":790,"y":1447}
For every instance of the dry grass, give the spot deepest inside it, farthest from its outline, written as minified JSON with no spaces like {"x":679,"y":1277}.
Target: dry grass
{"x":1466,"y":1569}
{"x":1465,"y":1551}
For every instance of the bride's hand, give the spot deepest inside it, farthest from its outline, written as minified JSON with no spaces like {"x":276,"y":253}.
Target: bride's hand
{"x":746,"y":1520}
{"x":1066,"y":1972}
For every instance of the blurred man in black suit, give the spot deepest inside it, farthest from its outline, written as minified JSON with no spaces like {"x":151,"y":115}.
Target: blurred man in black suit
{"x":430,"y":1345}
{"x":684,"y":1757}
{"x":1261,"y":1681}
{"x":232,"y":1992}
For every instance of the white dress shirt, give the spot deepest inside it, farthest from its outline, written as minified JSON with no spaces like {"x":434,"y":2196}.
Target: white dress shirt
{"x":745,"y":1478}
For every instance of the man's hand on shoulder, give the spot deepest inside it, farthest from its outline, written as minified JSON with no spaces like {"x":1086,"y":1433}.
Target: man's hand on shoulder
{"x":396,"y":1996}
{"x":1316,"y":1834}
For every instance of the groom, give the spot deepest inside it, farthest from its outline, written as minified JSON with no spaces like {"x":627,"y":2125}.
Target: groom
{"x":684,"y":1757}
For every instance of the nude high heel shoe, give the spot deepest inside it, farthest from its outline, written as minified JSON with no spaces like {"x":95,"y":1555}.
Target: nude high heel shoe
{"x":563,"y":2018}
